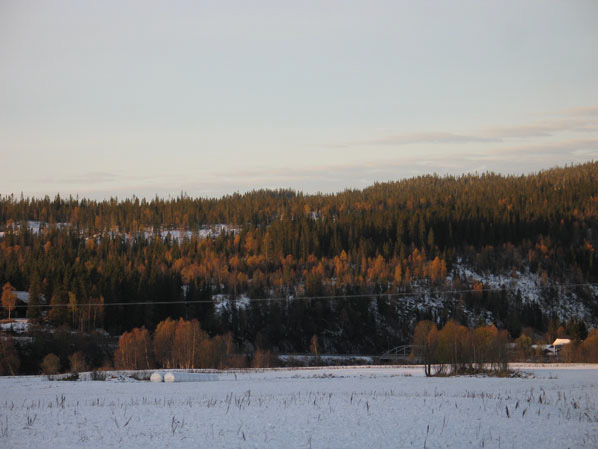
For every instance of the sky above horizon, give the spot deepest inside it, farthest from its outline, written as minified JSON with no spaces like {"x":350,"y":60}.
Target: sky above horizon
{"x":122,"y":98}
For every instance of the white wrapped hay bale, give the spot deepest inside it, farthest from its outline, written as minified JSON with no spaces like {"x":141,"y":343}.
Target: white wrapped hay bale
{"x":189,"y":377}
{"x":156,"y":377}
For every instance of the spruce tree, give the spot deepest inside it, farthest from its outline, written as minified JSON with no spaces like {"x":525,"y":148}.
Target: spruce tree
{"x":33,"y":307}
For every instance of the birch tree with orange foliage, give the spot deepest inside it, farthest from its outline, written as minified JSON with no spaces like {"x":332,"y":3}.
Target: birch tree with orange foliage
{"x":425,"y":338}
{"x":134,"y":350}
{"x":164,"y":343}
{"x":9,"y":298}
{"x":456,"y":349}
{"x":590,"y":347}
{"x":188,"y":337}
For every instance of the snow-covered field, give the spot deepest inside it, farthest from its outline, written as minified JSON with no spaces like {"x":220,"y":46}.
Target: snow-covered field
{"x":378,"y":407}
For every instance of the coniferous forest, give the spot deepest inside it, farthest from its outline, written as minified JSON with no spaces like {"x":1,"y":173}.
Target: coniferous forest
{"x":271,"y":269}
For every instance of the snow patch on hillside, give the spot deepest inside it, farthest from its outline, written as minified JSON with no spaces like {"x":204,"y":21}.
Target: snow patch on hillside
{"x":226,"y":302}
{"x":530,"y":288}
{"x":520,"y":288}
{"x":206,"y":232}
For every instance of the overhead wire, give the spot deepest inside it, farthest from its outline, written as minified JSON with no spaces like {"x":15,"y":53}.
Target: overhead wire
{"x":300,"y":298}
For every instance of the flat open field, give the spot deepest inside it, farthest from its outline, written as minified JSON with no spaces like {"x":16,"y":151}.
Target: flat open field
{"x":378,"y":407}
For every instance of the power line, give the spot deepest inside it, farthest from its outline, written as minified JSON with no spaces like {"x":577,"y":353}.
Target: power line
{"x":300,"y":298}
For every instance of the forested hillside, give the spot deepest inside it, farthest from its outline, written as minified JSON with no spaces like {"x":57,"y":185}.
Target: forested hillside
{"x":515,"y":251}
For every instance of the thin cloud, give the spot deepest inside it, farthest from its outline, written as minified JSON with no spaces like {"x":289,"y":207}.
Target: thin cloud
{"x":436,"y":137}
{"x":91,"y":177}
{"x":561,"y":147}
{"x":542,"y":129}
{"x":563,"y":151}
{"x":585,"y":121}
{"x":582,"y":111}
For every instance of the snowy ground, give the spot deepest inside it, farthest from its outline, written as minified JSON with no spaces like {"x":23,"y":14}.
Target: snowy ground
{"x":319,"y":408}
{"x":17,"y":325}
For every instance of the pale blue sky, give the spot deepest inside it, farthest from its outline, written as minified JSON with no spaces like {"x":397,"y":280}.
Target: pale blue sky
{"x":103,"y":98}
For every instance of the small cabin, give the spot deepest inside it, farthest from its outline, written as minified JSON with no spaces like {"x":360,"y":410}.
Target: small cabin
{"x":559,"y":343}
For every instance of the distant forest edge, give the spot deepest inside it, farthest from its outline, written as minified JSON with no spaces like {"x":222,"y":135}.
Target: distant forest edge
{"x":375,"y":261}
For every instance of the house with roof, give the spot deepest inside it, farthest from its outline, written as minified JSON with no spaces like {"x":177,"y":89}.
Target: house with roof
{"x":559,"y":343}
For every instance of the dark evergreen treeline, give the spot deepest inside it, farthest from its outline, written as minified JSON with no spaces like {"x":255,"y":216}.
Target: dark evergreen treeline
{"x":385,"y":239}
